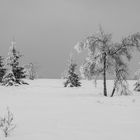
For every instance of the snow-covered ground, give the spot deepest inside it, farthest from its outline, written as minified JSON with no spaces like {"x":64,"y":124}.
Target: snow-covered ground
{"x":45,"y":110}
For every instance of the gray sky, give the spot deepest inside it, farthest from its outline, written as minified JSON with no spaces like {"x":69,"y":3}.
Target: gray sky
{"x":47,"y":30}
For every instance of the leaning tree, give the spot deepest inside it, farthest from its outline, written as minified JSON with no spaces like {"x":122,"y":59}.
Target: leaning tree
{"x":105,"y":56}
{"x":127,"y":45}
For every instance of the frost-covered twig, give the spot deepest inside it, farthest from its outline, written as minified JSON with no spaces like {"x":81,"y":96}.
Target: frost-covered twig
{"x":6,"y":123}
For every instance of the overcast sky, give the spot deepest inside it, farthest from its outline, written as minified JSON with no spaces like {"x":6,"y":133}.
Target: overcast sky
{"x":46,"y":30}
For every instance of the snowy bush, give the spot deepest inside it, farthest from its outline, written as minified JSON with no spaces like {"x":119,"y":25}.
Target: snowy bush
{"x":6,"y":123}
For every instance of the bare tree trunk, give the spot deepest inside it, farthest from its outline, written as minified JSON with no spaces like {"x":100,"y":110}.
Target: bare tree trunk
{"x":104,"y":76}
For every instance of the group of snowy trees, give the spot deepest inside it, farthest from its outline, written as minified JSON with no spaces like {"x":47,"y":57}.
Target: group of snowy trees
{"x":106,"y":57}
{"x":11,"y":73}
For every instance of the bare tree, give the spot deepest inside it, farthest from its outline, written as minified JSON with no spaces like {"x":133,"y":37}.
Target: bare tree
{"x":97,"y":62}
{"x":103,"y":54}
{"x":125,"y":48}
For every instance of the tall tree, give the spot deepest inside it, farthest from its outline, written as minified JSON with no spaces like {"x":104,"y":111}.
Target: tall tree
{"x":98,"y":59}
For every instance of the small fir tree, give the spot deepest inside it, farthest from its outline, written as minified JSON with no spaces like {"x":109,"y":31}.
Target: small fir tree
{"x":72,"y":79}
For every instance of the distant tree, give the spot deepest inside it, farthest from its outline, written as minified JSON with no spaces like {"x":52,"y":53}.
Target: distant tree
{"x":2,"y":69}
{"x":103,"y":55}
{"x":31,"y":72}
{"x":14,"y":71}
{"x":72,"y":79}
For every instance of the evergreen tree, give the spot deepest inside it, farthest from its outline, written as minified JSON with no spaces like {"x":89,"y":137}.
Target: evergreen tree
{"x":13,"y":61}
{"x":14,"y":72}
{"x":2,"y":69}
{"x":72,"y":79}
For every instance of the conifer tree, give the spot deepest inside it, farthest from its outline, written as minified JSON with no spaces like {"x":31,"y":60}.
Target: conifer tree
{"x":2,"y":69}
{"x":14,"y":72}
{"x":72,"y":79}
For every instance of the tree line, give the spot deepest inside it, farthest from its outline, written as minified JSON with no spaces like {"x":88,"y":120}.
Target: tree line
{"x":104,"y":57}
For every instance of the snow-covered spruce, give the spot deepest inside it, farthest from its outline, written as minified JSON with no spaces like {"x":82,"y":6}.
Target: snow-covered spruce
{"x":72,"y":79}
{"x":2,"y":69}
{"x":14,"y":73}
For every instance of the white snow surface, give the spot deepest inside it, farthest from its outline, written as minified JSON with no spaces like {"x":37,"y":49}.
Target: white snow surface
{"x":45,"y":110}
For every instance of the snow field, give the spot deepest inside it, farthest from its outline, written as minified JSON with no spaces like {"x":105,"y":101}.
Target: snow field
{"x":45,"y":110}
